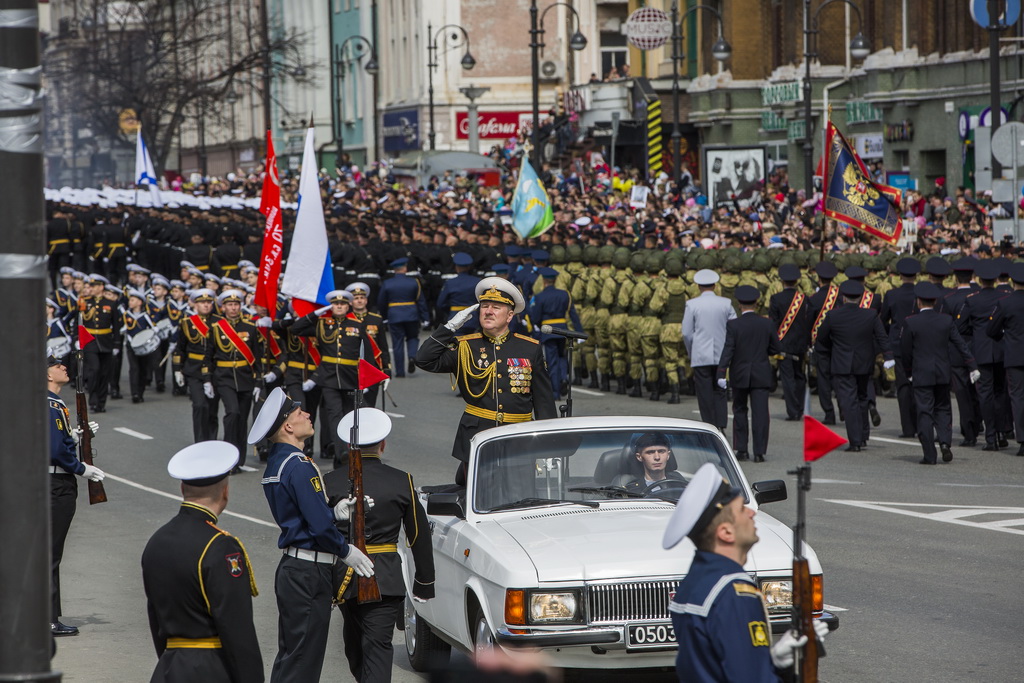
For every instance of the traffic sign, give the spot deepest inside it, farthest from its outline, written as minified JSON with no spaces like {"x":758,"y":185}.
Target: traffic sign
{"x":1008,"y":144}
{"x":1010,"y":15}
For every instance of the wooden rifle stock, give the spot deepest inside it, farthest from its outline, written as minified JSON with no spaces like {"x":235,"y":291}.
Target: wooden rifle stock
{"x":806,"y":664}
{"x":366,"y":587}
{"x":97,"y":494}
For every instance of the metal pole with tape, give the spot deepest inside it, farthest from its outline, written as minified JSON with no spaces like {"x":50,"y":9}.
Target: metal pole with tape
{"x":25,"y":640}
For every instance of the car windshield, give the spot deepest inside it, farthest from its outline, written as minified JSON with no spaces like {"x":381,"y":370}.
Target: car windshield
{"x":526,"y":470}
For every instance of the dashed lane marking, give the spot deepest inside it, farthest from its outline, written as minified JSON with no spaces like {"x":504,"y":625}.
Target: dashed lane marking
{"x":833,"y":608}
{"x":951,"y":514}
{"x":141,"y":487}
{"x":836,"y":481}
{"x":132,"y":432}
{"x":588,"y":392}
{"x":902,"y":442}
{"x":394,"y":414}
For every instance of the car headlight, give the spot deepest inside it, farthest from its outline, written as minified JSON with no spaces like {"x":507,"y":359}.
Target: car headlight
{"x":547,"y":608}
{"x":778,"y":594}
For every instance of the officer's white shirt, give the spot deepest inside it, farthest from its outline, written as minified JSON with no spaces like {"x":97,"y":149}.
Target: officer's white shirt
{"x":704,"y":322}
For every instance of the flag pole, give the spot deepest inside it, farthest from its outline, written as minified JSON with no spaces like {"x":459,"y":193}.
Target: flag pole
{"x":824,"y":180}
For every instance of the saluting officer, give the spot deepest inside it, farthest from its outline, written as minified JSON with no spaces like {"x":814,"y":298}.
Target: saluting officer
{"x":789,"y":312}
{"x":501,"y":375}
{"x":749,"y":341}
{"x":719,"y":614}
{"x":64,"y":467}
{"x":704,"y":335}
{"x":1007,"y":325}
{"x":849,"y":339}
{"x":191,"y":368}
{"x":369,"y":628}
{"x":198,"y":579}
{"x":924,"y":352}
{"x":404,"y":307}
{"x":309,"y":538}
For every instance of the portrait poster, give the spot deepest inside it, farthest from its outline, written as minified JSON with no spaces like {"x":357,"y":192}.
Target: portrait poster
{"x":735,"y":176}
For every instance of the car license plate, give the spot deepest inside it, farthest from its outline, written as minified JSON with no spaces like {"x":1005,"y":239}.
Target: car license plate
{"x":645,"y":636}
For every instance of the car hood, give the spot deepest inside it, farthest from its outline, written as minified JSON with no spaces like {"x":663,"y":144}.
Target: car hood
{"x":622,"y":541}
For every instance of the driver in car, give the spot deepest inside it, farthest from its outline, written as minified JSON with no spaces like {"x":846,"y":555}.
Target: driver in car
{"x":653,"y":453}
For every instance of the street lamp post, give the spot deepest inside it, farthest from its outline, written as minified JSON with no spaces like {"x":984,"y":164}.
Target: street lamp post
{"x":361,"y":46}
{"x":721,"y":51}
{"x":473,"y":93}
{"x":576,"y":42}
{"x":453,"y":41}
{"x":859,"y":49}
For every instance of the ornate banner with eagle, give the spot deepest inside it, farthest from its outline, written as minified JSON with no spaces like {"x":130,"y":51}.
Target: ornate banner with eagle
{"x":852,"y":198}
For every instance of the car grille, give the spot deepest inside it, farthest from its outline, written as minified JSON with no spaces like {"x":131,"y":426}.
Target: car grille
{"x":634,"y":601}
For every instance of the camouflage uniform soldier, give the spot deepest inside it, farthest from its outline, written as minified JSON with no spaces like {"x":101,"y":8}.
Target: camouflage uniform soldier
{"x":582,"y":274}
{"x":602,"y":312}
{"x":611,"y":297}
{"x":634,"y":309}
{"x":650,"y":323}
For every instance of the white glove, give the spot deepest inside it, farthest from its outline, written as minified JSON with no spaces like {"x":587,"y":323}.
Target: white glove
{"x":889,"y":364}
{"x":208,"y":389}
{"x":385,"y":384}
{"x":358,"y":561}
{"x":460,"y":318}
{"x":116,"y":352}
{"x":975,"y":376}
{"x":93,"y":427}
{"x":308,"y":385}
{"x":343,"y":510}
{"x":320,"y":311}
{"x":93,"y":473}
{"x":419,"y":600}
{"x":171,"y":347}
{"x":179,"y":378}
{"x":820,"y":629}
{"x":256,"y":394}
{"x":723,"y":383}
{"x":782,"y":651}
{"x":270,"y":377}
{"x":265,"y":321}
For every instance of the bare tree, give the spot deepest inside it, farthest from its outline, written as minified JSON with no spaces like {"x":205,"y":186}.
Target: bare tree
{"x":168,"y":60}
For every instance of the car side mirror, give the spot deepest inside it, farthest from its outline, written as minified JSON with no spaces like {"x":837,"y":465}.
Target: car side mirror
{"x":771,"y":491}
{"x":449,"y":505}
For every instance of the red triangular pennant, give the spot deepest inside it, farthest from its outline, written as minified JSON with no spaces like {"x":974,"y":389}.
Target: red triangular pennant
{"x":84,"y":337}
{"x":819,"y":439}
{"x":369,"y":375}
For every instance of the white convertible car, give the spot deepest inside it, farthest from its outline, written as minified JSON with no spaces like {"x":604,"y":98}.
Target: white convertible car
{"x":555,"y":545}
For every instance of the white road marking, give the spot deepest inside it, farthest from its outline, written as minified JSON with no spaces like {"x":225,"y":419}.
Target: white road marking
{"x":588,"y":392}
{"x":833,"y":608}
{"x":246,"y":468}
{"x":394,"y":414}
{"x":903,"y":442}
{"x":697,"y":412}
{"x":132,"y":432}
{"x":177,"y":497}
{"x":951,"y":514}
{"x":986,"y":486}
{"x":836,"y":481}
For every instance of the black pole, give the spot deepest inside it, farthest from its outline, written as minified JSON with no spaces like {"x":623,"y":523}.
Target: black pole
{"x":566,"y":409}
{"x":808,"y":137}
{"x":339,"y":85}
{"x":676,"y":39}
{"x":25,"y":640}
{"x":535,"y":45}
{"x":431,"y":56}
{"x":373,"y":55}
{"x":265,"y":38}
{"x":993,"y":47}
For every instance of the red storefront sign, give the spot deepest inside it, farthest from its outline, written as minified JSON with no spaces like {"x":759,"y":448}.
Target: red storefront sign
{"x":493,"y":125}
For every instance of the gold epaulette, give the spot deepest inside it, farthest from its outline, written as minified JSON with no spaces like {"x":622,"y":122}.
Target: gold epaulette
{"x":467,"y":337}
{"x":523,"y":336}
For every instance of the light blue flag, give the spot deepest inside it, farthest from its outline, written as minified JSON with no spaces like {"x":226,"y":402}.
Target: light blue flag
{"x":531,"y":208}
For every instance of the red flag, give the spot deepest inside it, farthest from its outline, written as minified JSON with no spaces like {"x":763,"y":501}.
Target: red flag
{"x":369,"y":375}
{"x":270,"y":258}
{"x":84,"y":337}
{"x":819,"y":439}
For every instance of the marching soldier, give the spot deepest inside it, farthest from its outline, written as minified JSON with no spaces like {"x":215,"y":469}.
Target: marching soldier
{"x":581,"y":274}
{"x":142,"y":354}
{"x":300,"y":360}
{"x":100,"y":318}
{"x":369,"y":628}
{"x":191,"y":368}
{"x":64,"y":467}
{"x":604,"y":277}
{"x":649,"y":327}
{"x":403,"y":306}
{"x":198,"y":579}
{"x":898,"y":304}
{"x":968,"y":406}
{"x":749,"y":341}
{"x":501,"y":375}
{"x":309,"y":538}
{"x":790,"y":314}
{"x":704,"y":324}
{"x":821,"y":302}
{"x":374,"y":330}
{"x":615,"y":297}
{"x":669,"y":302}
{"x":634,"y":310}
{"x":553,"y":306}
{"x":1007,"y":326}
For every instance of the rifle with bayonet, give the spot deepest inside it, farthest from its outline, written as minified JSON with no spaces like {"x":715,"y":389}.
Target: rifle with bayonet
{"x":367,"y":589}
{"x":806,"y":656}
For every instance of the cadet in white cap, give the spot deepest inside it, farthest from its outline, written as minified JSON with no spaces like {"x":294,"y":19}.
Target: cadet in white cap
{"x":374,"y":330}
{"x":369,"y":627}
{"x":704,"y":335}
{"x":310,"y":540}
{"x":501,"y":375}
{"x":191,"y":367}
{"x":719,"y":615}
{"x":198,"y":579}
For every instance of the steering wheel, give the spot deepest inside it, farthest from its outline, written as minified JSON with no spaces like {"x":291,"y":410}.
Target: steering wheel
{"x":664,"y":485}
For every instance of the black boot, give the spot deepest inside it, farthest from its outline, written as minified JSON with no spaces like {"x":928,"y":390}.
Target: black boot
{"x":637,"y":391}
{"x":656,"y":391}
{"x":577,"y":377}
{"x":606,"y":382}
{"x":620,"y":385}
{"x":689,"y":389}
{"x":594,"y":382}
{"x":674,"y":398}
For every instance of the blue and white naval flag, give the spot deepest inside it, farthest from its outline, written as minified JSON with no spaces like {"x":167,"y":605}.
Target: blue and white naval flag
{"x":145,"y":174}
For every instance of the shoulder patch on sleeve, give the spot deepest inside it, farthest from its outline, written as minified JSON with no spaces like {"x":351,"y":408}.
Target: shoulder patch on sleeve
{"x":317,"y":486}
{"x":759,"y":634}
{"x":467,"y":337}
{"x":529,"y":339}
{"x":742,"y":588}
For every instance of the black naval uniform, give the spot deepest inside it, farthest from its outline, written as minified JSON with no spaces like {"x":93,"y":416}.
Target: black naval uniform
{"x":900,"y":303}
{"x":190,"y":359}
{"x":795,"y":337}
{"x":749,"y":341}
{"x":369,"y":628}
{"x":823,"y":300}
{"x":64,"y":466}
{"x":1007,"y":325}
{"x":103,"y":321}
{"x":850,"y":338}
{"x":972,"y":323}
{"x":199,"y":589}
{"x":234,"y":377}
{"x":341,"y":343}
{"x":503,"y":380}
{"x":967,"y":403}
{"x":924,"y":352}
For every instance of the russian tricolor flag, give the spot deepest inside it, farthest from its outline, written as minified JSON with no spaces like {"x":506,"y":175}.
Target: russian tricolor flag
{"x":308,"y":275}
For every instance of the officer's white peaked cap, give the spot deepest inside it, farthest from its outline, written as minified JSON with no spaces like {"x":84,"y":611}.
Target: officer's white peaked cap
{"x":374,"y":426}
{"x":501,"y":290}
{"x":705,"y":277}
{"x":204,"y":463}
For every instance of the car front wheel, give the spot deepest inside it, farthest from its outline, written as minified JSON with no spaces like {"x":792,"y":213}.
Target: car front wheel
{"x":483,"y":638}
{"x":426,"y":651}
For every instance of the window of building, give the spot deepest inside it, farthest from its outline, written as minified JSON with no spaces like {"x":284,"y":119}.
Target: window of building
{"x":778,"y":153}
{"x":614,"y":52}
